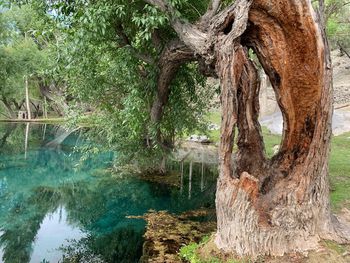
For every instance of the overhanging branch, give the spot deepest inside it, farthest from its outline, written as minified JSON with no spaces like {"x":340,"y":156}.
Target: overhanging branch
{"x":125,"y":42}
{"x":188,"y":33}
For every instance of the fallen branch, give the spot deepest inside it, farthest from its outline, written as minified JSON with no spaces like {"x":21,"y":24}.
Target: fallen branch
{"x":342,"y":49}
{"x":341,"y":107}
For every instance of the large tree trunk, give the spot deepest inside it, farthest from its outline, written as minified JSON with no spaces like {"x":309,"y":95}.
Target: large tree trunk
{"x":279,"y":205}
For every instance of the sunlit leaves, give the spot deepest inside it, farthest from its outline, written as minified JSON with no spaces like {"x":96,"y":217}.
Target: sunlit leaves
{"x":149,"y":20}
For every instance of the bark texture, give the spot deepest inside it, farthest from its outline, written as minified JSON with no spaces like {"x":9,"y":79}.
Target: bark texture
{"x":172,"y":57}
{"x":279,"y":205}
{"x":54,"y":95}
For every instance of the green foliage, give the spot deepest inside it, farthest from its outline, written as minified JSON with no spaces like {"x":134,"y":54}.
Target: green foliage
{"x":102,"y":50}
{"x":189,"y":252}
{"x":24,"y":51}
{"x":338,"y":25}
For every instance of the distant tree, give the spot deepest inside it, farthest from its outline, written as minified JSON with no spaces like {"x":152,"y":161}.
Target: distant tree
{"x":123,"y":61}
{"x":27,"y":47}
{"x":336,"y":19}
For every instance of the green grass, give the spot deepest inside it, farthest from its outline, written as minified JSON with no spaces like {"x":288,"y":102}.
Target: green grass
{"x":190,"y":253}
{"x":339,"y":169}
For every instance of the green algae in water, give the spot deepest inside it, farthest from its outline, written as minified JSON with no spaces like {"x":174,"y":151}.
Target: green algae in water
{"x":56,"y":207}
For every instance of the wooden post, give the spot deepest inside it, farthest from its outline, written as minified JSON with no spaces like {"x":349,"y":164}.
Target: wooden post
{"x":45,"y":108}
{"x":190,"y":182}
{"x":27,"y":98}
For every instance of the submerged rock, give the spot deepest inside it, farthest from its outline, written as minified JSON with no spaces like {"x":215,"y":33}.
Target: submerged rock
{"x":167,"y":233}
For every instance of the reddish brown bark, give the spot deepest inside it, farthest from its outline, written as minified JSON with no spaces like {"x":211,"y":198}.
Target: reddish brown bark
{"x":270,"y":207}
{"x":281,"y":205}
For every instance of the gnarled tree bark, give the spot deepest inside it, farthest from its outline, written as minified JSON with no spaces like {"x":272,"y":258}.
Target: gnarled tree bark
{"x":172,"y":57}
{"x":279,"y":205}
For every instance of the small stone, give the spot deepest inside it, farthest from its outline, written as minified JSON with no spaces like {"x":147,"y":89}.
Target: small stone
{"x":346,"y":253}
{"x":275,"y":149}
{"x":213,"y":127}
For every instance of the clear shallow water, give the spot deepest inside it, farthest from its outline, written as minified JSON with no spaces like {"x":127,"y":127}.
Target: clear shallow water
{"x":53,"y":204}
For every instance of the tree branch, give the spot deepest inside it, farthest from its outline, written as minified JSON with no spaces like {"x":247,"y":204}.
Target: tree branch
{"x":213,"y":7}
{"x":172,"y":57}
{"x":125,"y":42}
{"x":342,"y":49}
{"x":188,"y":33}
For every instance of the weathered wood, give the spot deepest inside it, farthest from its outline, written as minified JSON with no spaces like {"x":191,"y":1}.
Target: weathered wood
{"x":270,"y":207}
{"x":172,"y":57}
{"x":283,"y":206}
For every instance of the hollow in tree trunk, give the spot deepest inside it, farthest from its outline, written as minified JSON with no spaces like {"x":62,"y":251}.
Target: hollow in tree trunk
{"x":272,"y":207}
{"x":279,"y":205}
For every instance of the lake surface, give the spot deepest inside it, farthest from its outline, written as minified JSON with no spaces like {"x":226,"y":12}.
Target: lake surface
{"x":57,"y":204}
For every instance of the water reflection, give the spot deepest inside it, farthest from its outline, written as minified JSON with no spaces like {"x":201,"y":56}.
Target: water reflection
{"x":48,"y":195}
{"x":55,"y":232}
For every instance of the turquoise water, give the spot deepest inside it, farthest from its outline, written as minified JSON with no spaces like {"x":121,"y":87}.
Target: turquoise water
{"x":55,"y":205}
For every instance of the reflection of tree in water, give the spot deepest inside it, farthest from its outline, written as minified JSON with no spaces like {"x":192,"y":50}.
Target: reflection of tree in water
{"x":111,"y":235}
{"x":95,"y":202}
{"x":8,"y":130}
{"x":123,"y":245}
{"x":23,"y":223}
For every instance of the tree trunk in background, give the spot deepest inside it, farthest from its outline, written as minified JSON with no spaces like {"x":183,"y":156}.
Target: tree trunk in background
{"x":173,"y":56}
{"x":271,"y":207}
{"x":45,"y":108}
{"x":52,"y":93}
{"x":27,"y":98}
{"x":7,"y":104}
{"x":264,"y":107}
